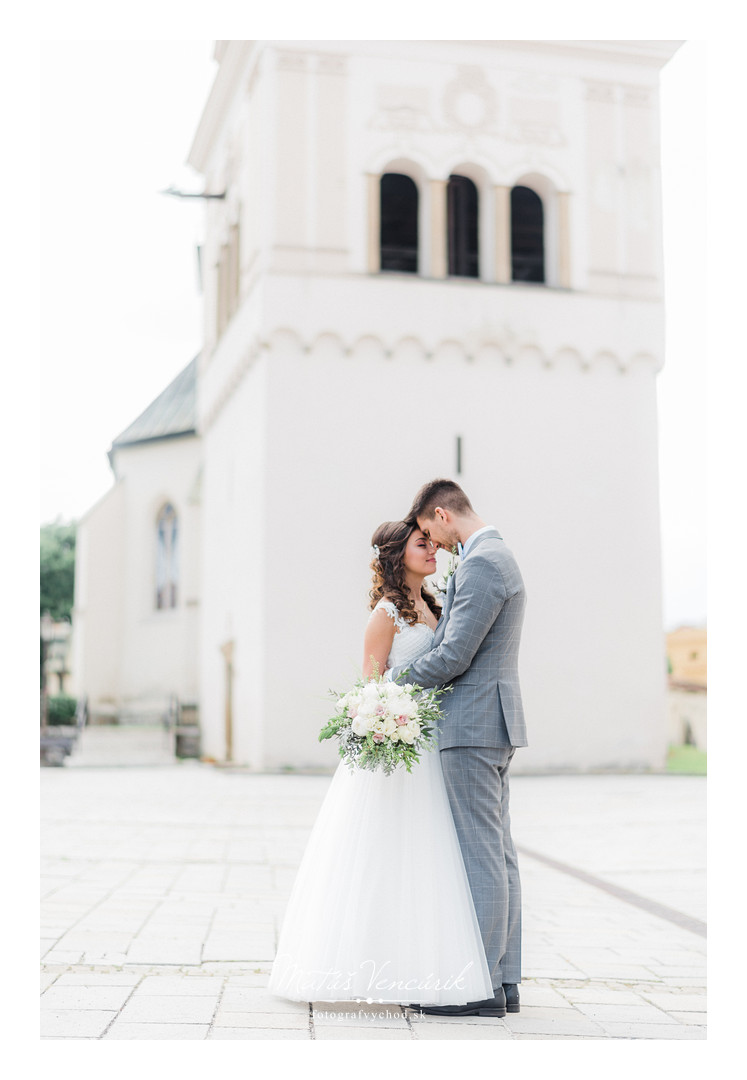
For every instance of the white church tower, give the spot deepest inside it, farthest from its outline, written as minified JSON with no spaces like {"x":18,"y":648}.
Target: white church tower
{"x":432,"y":258}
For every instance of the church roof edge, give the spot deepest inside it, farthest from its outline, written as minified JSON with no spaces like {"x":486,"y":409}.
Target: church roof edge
{"x":230,"y":56}
{"x":173,"y":412}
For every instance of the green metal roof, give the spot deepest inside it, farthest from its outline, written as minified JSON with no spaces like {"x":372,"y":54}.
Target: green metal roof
{"x":173,"y":412}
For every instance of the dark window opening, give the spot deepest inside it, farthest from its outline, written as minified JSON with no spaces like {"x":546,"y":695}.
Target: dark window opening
{"x":167,"y":568}
{"x":527,"y":236}
{"x":461,"y":203}
{"x":399,"y":223}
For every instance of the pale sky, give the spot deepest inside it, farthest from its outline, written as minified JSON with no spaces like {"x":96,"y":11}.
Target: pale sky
{"x":121,"y":314}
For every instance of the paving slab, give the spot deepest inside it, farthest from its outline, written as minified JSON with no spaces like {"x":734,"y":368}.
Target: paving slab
{"x":230,"y":1017}
{"x":360,"y":1015}
{"x":274,"y":1034}
{"x":147,"y":1032}
{"x":451,"y":1032}
{"x":175,"y":985}
{"x":175,"y":1009}
{"x":67,"y":1022}
{"x":95,"y":979}
{"x":681,"y":1002}
{"x":325,"y":1032}
{"x":629,"y":1014}
{"x":624,"y":1030}
{"x":165,"y":888}
{"x":85,"y":997}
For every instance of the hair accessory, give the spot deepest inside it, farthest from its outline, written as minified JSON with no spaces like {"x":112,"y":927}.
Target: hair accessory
{"x":375,"y":551}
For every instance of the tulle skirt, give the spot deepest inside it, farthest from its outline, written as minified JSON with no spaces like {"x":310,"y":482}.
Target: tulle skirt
{"x":381,"y":908}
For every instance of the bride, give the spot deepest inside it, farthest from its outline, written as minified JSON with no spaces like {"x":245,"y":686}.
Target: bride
{"x":381,"y":909}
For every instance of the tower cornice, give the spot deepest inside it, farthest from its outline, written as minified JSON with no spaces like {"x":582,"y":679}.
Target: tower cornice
{"x":232,"y":56}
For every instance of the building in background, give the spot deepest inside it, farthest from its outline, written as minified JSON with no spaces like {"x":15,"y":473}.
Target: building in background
{"x":55,"y":635}
{"x":437,"y":258}
{"x":687,"y":695}
{"x":137,"y":588}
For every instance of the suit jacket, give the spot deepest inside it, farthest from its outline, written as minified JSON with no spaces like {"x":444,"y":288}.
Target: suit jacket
{"x":476,"y":649}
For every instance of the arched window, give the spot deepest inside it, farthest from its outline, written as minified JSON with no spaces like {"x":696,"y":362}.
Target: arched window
{"x":461,"y":201}
{"x":399,"y":223}
{"x":527,"y":235}
{"x":167,"y":565}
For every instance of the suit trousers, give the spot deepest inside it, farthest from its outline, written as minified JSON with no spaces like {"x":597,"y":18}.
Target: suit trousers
{"x":477,"y":784}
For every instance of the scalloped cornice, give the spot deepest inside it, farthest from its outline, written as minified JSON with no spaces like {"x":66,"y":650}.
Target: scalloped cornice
{"x":372,"y":346}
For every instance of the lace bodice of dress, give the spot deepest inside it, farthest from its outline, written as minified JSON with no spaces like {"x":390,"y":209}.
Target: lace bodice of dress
{"x":410,"y":642}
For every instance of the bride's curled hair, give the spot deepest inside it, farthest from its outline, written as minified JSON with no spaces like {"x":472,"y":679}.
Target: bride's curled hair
{"x":388,"y":569}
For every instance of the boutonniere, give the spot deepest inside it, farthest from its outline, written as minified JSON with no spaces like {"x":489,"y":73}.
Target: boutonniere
{"x":443,"y":583}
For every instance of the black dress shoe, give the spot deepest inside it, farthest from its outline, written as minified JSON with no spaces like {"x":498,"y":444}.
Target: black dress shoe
{"x":511,"y":990}
{"x":495,"y":1006}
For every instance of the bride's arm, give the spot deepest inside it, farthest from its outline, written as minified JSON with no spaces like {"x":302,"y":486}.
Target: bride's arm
{"x":377,"y":642}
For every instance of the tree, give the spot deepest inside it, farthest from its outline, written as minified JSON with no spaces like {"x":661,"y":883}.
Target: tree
{"x":57,"y":569}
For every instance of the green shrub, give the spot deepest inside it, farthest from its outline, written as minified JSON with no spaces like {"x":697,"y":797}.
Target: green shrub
{"x":61,"y":709}
{"x":687,"y":760}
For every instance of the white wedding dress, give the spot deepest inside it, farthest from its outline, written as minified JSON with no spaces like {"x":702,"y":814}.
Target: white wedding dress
{"x":381,"y":908}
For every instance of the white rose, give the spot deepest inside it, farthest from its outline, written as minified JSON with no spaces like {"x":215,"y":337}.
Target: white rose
{"x":394,"y":737}
{"x":410,"y":731}
{"x":407,"y":707}
{"x":370,"y":692}
{"x":361,"y":725}
{"x":389,"y":726}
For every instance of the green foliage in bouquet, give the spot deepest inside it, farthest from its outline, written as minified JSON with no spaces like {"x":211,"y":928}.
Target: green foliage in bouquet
{"x":384,"y":725}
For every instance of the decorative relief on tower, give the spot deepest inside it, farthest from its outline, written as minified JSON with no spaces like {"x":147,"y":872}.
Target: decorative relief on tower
{"x":469,"y":101}
{"x":292,"y":61}
{"x":637,"y":95}
{"x":470,"y":105}
{"x":402,"y":108}
{"x":331,"y":64}
{"x":326,"y":63}
{"x":600,"y":91}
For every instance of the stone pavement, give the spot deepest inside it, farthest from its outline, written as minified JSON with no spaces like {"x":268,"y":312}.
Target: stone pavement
{"x":164,"y":887}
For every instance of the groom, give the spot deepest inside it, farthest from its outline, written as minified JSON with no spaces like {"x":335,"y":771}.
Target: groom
{"x":475,"y":648}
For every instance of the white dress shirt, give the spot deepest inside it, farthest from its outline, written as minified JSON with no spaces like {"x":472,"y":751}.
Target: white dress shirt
{"x":464,"y":549}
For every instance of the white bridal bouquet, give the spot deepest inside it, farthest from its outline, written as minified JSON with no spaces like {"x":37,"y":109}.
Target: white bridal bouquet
{"x":382,"y":725}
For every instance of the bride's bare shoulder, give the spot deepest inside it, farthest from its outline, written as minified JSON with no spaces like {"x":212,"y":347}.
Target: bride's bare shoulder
{"x":385,"y":614}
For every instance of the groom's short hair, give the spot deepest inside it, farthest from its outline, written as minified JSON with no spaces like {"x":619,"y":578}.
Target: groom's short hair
{"x":435,"y":493}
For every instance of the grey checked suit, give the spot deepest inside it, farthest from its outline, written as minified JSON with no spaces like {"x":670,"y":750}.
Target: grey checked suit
{"x":475,"y":649}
